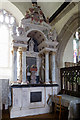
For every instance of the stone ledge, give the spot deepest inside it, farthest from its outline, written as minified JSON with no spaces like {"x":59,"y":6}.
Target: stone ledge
{"x":34,"y":85}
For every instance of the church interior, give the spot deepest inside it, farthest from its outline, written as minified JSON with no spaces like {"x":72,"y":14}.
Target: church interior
{"x":39,"y":59}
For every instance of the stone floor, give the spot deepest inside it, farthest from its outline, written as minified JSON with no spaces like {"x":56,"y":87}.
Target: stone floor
{"x":49,"y":116}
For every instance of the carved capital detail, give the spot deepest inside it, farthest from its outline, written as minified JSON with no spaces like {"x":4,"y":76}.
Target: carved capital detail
{"x":46,"y":51}
{"x":15,"y":48}
{"x":53,"y":53}
{"x":24,"y":49}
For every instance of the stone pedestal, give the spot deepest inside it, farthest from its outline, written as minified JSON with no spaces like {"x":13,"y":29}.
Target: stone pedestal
{"x":14,"y":65}
{"x":46,"y":67}
{"x":23,"y":104}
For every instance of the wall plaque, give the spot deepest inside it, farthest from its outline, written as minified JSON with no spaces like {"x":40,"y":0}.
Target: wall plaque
{"x":35,"y":97}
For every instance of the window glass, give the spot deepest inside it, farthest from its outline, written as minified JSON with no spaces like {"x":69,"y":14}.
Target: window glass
{"x":76,"y":47}
{"x":1,"y":18}
{"x":6,"y":22}
{"x":7,"y":19}
{"x":12,"y":20}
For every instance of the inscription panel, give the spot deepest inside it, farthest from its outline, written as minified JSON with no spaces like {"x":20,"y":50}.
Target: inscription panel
{"x":35,"y":97}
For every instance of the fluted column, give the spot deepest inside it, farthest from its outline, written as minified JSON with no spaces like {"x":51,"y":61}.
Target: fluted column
{"x":24,"y":65}
{"x":53,"y":67}
{"x":46,"y":67}
{"x":38,"y":67}
{"x":14,"y":65}
{"x":20,"y":66}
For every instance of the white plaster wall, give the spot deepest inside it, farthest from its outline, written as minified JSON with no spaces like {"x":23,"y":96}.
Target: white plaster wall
{"x":4,"y":92}
{"x":51,"y":7}
{"x":68,"y":52}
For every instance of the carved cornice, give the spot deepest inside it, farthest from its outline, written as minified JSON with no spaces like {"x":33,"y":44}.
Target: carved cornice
{"x":20,"y":42}
{"x":48,"y":44}
{"x":48,"y":50}
{"x":27,"y":25}
{"x":20,"y":38}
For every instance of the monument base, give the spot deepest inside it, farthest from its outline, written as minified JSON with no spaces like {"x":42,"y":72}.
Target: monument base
{"x":30,"y":100}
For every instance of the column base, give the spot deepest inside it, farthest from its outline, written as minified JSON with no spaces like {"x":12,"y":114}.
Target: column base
{"x":19,"y":81}
{"x":46,"y":83}
{"x":24,"y":83}
{"x":54,"y":82}
{"x":14,"y":83}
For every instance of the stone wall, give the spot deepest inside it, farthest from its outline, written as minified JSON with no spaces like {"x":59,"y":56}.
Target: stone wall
{"x":64,"y":36}
{"x":68,"y":52}
{"x":0,"y":99}
{"x":4,"y":86}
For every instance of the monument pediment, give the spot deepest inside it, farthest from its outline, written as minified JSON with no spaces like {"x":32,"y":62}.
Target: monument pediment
{"x":35,"y":14}
{"x":35,"y":18}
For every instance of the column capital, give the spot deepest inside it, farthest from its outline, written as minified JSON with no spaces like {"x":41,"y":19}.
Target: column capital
{"x":53,"y":53}
{"x":46,"y":52}
{"x":20,"y":50}
{"x":15,"y":48}
{"x":24,"y":49}
{"x":39,"y":55}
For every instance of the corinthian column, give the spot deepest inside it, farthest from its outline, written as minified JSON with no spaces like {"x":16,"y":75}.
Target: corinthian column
{"x":14,"y":65}
{"x":53,"y":67}
{"x":20,"y":66}
{"x":38,"y":67}
{"x":24,"y":65}
{"x":46,"y":67}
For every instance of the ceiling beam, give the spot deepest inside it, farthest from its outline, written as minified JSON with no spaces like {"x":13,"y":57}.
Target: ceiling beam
{"x":64,"y":12}
{"x":60,"y":9}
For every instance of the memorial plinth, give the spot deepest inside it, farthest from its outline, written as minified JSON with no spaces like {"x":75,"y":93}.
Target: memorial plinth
{"x":31,"y":99}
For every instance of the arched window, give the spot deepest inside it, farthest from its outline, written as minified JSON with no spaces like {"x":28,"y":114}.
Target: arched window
{"x":6,"y":22}
{"x":76,"y":47}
